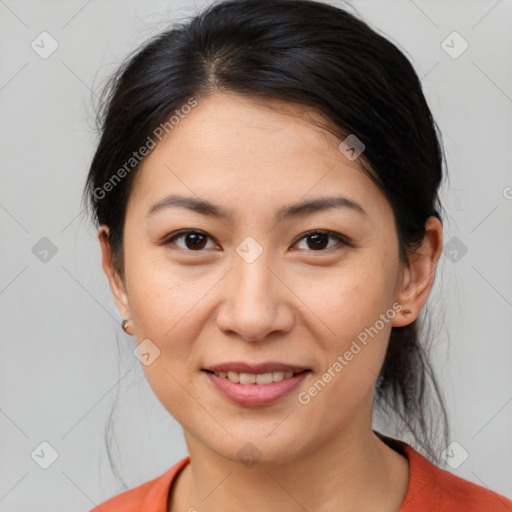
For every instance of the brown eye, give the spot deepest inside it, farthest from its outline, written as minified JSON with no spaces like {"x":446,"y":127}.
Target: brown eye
{"x":193,"y":240}
{"x":319,"y":240}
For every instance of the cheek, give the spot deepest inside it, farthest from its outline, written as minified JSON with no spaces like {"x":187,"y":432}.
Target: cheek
{"x":355,"y":306}
{"x":163,"y":307}
{"x":161,"y":294}
{"x":349,"y":298}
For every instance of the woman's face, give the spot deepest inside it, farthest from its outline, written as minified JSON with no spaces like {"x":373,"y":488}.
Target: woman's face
{"x":255,"y":287}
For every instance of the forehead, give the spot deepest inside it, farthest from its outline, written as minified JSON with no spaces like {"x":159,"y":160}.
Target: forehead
{"x":255,"y":151}
{"x":225,"y":120}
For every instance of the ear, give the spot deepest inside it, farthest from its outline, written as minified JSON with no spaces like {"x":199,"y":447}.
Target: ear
{"x":417,"y":279}
{"x":117,"y":286}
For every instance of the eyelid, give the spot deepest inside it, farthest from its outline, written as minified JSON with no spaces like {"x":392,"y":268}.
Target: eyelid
{"x":343,"y":241}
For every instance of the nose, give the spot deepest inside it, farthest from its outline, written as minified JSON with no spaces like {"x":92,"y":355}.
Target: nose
{"x":256,"y":301}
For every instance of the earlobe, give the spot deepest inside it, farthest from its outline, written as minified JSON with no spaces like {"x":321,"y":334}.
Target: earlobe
{"x":116,"y":283}
{"x":405,"y":315}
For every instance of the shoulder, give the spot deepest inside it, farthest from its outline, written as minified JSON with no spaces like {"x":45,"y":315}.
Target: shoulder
{"x":150,"y":496}
{"x":434,"y":489}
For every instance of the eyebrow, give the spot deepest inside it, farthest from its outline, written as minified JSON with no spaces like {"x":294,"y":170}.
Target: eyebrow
{"x":204,"y":207}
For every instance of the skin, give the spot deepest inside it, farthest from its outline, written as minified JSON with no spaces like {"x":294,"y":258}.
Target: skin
{"x":295,"y":303}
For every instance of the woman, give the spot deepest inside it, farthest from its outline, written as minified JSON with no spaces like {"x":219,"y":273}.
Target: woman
{"x":266,"y":192}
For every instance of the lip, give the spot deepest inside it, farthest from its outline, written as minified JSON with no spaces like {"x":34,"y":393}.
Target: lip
{"x":255,"y":394}
{"x":267,"y":367}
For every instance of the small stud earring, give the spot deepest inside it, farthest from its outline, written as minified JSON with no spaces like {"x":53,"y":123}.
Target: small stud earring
{"x":124,"y":325}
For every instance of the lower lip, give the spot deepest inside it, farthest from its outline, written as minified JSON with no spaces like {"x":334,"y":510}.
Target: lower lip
{"x":256,"y":394}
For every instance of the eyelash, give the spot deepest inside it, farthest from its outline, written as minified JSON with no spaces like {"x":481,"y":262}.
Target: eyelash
{"x":343,"y":241}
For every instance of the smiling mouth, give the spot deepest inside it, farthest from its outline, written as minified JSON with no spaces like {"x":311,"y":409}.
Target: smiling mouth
{"x":252,"y":378}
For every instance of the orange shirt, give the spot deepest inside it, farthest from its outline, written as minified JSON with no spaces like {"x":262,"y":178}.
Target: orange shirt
{"x":430,"y":489}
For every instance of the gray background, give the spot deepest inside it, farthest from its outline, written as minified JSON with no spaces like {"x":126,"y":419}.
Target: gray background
{"x":60,"y":368}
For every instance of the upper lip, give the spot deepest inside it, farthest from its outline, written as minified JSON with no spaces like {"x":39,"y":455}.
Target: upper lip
{"x":268,"y":367}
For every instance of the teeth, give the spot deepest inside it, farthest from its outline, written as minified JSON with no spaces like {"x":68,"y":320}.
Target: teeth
{"x":251,"y":378}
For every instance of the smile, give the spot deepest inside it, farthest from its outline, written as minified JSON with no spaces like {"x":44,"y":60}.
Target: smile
{"x":252,"y":378}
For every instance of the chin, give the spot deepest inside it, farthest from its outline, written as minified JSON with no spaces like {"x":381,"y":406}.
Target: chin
{"x":256,"y":448}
